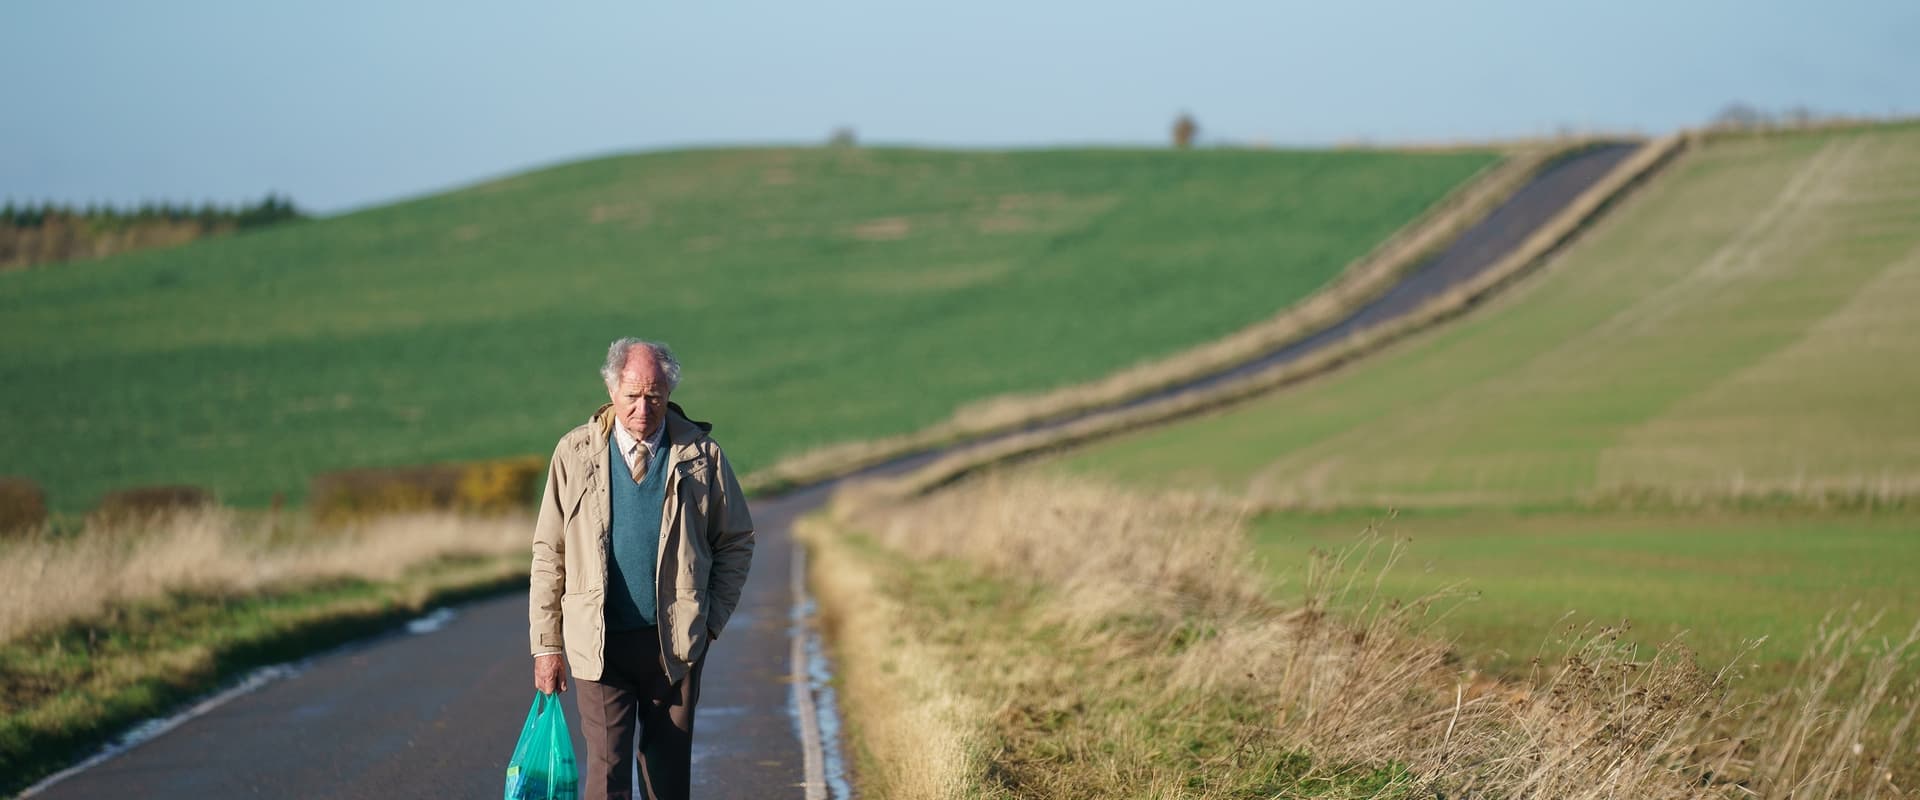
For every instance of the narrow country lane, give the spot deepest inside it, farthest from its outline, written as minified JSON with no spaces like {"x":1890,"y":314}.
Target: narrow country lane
{"x":434,"y":713}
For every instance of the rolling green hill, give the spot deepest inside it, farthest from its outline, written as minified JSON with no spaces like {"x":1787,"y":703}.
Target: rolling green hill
{"x":1742,"y":328}
{"x":1740,"y":336}
{"x":815,"y":295}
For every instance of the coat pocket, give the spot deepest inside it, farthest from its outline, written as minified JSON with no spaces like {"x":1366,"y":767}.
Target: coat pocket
{"x":687,"y":622}
{"x":583,"y":627}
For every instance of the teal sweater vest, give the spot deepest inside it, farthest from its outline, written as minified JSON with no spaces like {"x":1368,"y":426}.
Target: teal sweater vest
{"x":634,"y":527}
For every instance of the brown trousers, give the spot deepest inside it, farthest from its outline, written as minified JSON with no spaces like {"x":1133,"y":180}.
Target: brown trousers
{"x":633,"y":687}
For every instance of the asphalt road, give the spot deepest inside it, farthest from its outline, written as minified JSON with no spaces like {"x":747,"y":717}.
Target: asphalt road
{"x":435,"y":713}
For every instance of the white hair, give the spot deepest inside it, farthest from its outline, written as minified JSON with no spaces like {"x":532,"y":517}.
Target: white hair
{"x":617,"y":360}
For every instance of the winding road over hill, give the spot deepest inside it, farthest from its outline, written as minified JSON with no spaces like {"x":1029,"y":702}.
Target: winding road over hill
{"x":433,"y":711}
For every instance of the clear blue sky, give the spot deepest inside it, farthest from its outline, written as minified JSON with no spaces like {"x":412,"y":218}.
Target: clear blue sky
{"x":348,"y":103}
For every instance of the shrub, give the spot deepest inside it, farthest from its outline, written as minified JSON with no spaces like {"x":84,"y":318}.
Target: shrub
{"x":146,"y":502}
{"x":1870,"y":497}
{"x":352,"y":493}
{"x":502,"y":484}
{"x":1184,"y":131}
{"x":23,"y":505}
{"x":491,"y":486}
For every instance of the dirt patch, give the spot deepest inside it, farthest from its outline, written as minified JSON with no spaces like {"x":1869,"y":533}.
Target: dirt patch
{"x":1023,"y":202}
{"x":1005,"y":223}
{"x":637,"y":213}
{"x":884,"y":229}
{"x":941,"y":279}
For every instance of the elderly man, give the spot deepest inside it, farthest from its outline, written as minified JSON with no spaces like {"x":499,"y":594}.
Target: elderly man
{"x":639,"y":555}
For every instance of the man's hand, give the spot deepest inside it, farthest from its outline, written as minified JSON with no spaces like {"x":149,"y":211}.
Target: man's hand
{"x":550,"y":673}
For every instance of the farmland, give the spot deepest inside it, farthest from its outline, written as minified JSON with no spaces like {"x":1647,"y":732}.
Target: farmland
{"x":1718,"y":580}
{"x":1699,"y":416}
{"x":816,"y":295}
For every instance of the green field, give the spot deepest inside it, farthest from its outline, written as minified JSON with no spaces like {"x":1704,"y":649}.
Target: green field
{"x":1741,"y":334}
{"x":1515,"y":582}
{"x":815,"y":295}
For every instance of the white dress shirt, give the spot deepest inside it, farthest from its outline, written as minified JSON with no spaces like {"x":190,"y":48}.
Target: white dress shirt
{"x":638,"y":453}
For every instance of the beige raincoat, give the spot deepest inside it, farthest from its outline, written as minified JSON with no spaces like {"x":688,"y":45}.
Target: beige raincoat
{"x":706,"y":545}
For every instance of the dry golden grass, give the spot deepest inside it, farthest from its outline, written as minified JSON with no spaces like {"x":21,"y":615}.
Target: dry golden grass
{"x":920,"y":732}
{"x":1125,"y":646}
{"x":46,"y":580}
{"x":110,"y":626}
{"x":1359,"y":283}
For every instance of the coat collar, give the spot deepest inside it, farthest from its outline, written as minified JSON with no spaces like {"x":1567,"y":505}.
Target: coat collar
{"x":681,"y":431}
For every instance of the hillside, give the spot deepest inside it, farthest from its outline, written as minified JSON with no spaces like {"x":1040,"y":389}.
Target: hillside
{"x":1699,"y":418}
{"x":816,"y":296}
{"x":1735,"y":332}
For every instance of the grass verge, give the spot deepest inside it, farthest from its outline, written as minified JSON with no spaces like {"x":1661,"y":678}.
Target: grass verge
{"x":963,"y":685}
{"x":1059,"y":639}
{"x":87,"y":662}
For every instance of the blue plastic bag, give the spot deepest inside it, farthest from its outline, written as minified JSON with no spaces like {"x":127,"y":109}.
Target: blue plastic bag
{"x":543,"y":767}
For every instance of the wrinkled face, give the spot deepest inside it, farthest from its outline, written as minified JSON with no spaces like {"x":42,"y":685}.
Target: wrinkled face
{"x":640,"y":394}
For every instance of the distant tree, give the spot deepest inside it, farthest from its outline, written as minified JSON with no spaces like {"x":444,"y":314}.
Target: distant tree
{"x":1740,"y":115}
{"x":97,"y":228}
{"x":1185,"y":130}
{"x":268,"y":211}
{"x":841,"y":137}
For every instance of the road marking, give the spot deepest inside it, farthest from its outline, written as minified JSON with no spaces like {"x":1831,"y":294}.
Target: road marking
{"x":254,"y":681}
{"x":155,"y":728}
{"x":431,"y":622}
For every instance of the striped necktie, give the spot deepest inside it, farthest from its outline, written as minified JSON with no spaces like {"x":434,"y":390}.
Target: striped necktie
{"x":640,"y":458}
